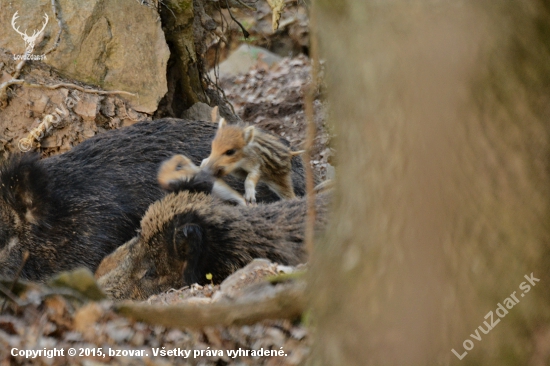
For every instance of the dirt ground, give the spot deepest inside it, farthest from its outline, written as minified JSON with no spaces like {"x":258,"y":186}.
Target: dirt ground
{"x":89,"y":115}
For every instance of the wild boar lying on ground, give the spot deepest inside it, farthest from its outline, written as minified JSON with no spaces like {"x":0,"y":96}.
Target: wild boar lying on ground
{"x":186,"y":236}
{"x":73,"y":209}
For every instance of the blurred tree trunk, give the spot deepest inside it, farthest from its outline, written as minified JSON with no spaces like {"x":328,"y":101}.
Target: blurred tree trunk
{"x":442,"y":114}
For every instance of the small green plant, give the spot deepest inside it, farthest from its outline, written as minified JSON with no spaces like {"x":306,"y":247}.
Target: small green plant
{"x":209,"y":278}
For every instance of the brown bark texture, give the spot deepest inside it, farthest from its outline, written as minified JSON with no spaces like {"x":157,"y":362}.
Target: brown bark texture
{"x":441,"y":112}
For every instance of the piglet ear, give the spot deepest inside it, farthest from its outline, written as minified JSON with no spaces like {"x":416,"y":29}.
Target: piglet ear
{"x":249,"y":134}
{"x":176,"y":171}
{"x":222,"y":123}
{"x":24,"y":187}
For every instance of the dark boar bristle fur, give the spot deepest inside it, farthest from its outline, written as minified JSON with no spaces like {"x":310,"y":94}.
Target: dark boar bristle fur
{"x":73,"y":209}
{"x":186,"y":236}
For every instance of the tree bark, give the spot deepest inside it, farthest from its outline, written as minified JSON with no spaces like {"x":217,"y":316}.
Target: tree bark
{"x":442,"y":197}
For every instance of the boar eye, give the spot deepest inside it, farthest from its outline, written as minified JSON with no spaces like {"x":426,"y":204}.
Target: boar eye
{"x":230,"y":152}
{"x":186,"y":238}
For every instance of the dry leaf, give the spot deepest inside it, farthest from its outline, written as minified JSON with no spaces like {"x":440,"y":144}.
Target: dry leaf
{"x":87,"y":316}
{"x":277,"y":7}
{"x":81,"y":280}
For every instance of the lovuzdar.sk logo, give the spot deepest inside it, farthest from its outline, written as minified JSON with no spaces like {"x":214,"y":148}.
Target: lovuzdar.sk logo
{"x":29,"y":40}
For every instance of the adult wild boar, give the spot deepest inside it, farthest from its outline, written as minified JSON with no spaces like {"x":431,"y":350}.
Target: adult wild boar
{"x":186,"y":236}
{"x":73,"y":209}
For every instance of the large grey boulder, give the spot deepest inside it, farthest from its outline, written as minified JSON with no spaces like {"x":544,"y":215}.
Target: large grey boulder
{"x":243,"y":59}
{"x":115,"y":45}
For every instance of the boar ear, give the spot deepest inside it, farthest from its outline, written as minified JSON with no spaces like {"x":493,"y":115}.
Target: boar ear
{"x":191,"y":250}
{"x":187,"y":240}
{"x":248,"y":134}
{"x":222,"y":123}
{"x":24,"y":186}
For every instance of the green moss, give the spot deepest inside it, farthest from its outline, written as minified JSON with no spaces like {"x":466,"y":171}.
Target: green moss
{"x":181,"y":6}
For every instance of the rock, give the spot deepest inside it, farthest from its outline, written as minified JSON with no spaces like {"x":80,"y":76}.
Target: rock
{"x":243,"y":58}
{"x":39,"y":105}
{"x":198,"y":112}
{"x":87,"y":107}
{"x":253,"y":273}
{"x":115,"y":45}
{"x":50,"y":141}
{"x":108,"y":107}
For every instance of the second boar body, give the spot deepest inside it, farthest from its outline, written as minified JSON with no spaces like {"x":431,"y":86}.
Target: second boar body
{"x":186,"y":236}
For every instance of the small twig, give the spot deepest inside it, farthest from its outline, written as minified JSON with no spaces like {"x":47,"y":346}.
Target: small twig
{"x":166,"y":6}
{"x":5,"y":85}
{"x":216,"y":68}
{"x":246,"y":5}
{"x":14,"y":81}
{"x":288,"y":303}
{"x":9,"y":295}
{"x":77,"y":87}
{"x":311,"y":132}
{"x":221,"y":36}
{"x":16,"y":278}
{"x":245,"y":32}
{"x":222,"y":92}
{"x":18,"y":68}
{"x":239,"y":4}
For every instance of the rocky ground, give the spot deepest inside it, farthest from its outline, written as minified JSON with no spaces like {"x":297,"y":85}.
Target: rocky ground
{"x":47,"y":317}
{"x":87,"y":116}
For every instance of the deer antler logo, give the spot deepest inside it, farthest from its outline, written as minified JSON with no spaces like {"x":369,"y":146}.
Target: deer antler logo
{"x":29,"y":40}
